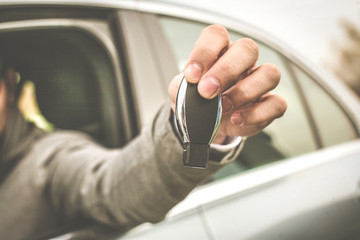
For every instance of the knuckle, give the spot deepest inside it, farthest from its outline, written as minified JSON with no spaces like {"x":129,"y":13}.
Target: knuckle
{"x":229,"y":67}
{"x":280,"y":106}
{"x":283,"y":107}
{"x":250,"y":46}
{"x":273,"y":72}
{"x":260,"y":120}
{"x":243,"y":94}
{"x":207,"y":52}
{"x":276,"y":109}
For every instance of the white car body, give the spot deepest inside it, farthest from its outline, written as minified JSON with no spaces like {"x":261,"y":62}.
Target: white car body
{"x":309,"y":195}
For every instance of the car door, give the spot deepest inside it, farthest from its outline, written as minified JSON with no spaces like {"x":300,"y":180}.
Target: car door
{"x":281,"y":208}
{"x":297,"y":179}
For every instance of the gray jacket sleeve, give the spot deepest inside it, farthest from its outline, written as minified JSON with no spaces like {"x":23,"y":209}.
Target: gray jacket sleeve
{"x":123,"y":187}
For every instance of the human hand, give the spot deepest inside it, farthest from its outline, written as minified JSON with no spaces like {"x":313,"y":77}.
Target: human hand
{"x":218,"y":65}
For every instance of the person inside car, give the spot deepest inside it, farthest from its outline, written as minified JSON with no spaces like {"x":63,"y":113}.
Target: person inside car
{"x":58,"y":179}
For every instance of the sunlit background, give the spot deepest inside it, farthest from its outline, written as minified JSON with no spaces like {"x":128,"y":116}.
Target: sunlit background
{"x":312,"y":27}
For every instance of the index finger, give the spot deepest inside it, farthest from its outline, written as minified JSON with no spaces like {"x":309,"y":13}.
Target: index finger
{"x":212,"y":42}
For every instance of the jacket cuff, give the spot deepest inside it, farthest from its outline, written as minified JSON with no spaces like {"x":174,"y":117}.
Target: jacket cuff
{"x":225,"y":154}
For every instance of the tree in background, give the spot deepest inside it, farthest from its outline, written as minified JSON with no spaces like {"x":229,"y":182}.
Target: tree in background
{"x":348,"y":66}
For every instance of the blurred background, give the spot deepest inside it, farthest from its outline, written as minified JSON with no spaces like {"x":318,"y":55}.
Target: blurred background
{"x":325,"y":32}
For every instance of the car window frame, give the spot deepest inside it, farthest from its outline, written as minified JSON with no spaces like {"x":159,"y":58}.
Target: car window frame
{"x":349,"y":103}
{"x":148,"y":61}
{"x":118,"y":127}
{"x":294,"y":78}
{"x":333,"y":96}
{"x":289,"y":60}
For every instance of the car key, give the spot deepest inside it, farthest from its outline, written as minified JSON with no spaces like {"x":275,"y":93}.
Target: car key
{"x":198,"y":121}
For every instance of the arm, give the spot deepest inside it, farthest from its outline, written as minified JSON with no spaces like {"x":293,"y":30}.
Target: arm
{"x":145,"y":179}
{"x":139,"y":183}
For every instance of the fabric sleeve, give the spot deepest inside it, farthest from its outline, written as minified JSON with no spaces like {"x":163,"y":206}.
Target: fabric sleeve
{"x":123,"y":187}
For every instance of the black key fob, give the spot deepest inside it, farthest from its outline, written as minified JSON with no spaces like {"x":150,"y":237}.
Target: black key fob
{"x":198,"y":121}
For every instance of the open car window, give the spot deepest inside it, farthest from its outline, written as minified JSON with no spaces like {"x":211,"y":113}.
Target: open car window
{"x":69,"y":77}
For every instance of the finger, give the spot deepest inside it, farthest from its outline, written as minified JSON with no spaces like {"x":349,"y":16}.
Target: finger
{"x":262,"y":80}
{"x":242,"y":55}
{"x":212,"y":41}
{"x":253,"y":119}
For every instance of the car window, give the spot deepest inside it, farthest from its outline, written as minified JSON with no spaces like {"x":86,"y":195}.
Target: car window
{"x":292,"y":135}
{"x":327,"y":113}
{"x":66,"y":81}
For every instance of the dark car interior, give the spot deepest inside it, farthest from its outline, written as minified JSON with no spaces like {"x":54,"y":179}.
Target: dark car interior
{"x":72,"y":75}
{"x":75,"y":87}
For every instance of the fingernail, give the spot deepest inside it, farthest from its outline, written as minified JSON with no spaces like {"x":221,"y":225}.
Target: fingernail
{"x":193,"y":72}
{"x":226,"y":104}
{"x":208,"y":87}
{"x":237,"y":119}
